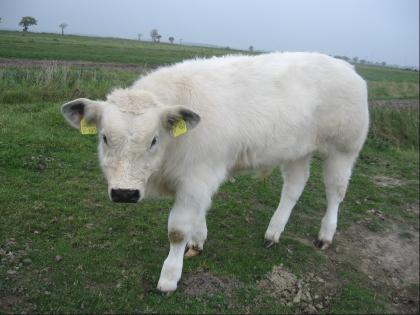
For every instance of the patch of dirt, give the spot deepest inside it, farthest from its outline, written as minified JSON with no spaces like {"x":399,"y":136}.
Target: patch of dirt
{"x":386,"y":181}
{"x":412,"y":208}
{"x":309,"y":294}
{"x":8,"y":304}
{"x":390,"y":261}
{"x":400,"y":104}
{"x":205,"y":283}
{"x":401,"y":259}
{"x":34,"y":63}
{"x":98,"y":287}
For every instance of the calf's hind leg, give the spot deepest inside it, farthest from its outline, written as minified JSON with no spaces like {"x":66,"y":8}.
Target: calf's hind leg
{"x":337,"y":169}
{"x":295,"y":175}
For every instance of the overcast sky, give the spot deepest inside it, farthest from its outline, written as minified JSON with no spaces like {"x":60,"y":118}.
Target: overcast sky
{"x":376,"y":30}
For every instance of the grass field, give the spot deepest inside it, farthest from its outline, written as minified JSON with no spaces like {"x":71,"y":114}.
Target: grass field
{"x":51,"y":46}
{"x":390,"y":83}
{"x":64,"y":248}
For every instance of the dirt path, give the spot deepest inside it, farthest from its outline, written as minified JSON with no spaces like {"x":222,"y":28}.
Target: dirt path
{"x":401,"y":104}
{"x":32,"y":63}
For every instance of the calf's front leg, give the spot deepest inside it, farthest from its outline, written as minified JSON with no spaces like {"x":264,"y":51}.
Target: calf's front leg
{"x":189,"y":205}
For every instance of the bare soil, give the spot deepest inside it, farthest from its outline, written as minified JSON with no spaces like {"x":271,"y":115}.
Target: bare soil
{"x":390,"y":260}
{"x":386,"y":181}
{"x":308,"y":294}
{"x":204,"y":283}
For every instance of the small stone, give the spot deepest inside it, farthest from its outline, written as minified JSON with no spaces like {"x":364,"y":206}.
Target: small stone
{"x":27,"y":261}
{"x":319,"y":306}
{"x":11,"y":272}
{"x":36,"y":232}
{"x":307,"y":297}
{"x":311,"y":309}
{"x":298,"y":297}
{"x":58,"y":258}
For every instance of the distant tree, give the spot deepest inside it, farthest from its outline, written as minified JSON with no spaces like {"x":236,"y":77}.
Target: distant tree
{"x":0,"y":20}
{"x":62,"y":26}
{"x":362,"y":61}
{"x":383,"y":63}
{"x":27,"y":21}
{"x":158,"y":38}
{"x":343,"y":58}
{"x":154,"y":34}
{"x":171,"y":39}
{"x":251,"y":48}
{"x":139,"y":35}
{"x":355,"y":59}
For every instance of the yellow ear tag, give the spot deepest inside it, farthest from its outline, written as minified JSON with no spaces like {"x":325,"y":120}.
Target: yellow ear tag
{"x":179,"y":128}
{"x":87,"y":128}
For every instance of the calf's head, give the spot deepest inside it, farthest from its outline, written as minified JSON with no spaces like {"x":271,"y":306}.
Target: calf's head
{"x":134,"y":133}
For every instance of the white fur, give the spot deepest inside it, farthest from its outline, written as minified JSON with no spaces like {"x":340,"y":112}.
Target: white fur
{"x":256,"y":113}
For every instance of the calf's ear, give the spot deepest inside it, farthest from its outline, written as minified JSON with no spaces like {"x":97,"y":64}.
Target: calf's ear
{"x":80,"y":108}
{"x":179,"y":119}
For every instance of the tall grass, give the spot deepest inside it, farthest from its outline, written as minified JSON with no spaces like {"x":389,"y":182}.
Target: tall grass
{"x":394,"y":127}
{"x":57,"y":83}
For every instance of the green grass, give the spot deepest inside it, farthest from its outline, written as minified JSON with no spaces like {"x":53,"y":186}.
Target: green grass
{"x":70,"y":47}
{"x":53,"y":201}
{"x":390,"y":83}
{"x":384,"y":74}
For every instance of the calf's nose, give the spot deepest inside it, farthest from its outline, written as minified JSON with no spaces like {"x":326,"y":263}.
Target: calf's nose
{"x":125,"y":195}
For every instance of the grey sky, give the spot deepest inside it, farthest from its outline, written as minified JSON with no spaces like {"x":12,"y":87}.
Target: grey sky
{"x":377,"y":30}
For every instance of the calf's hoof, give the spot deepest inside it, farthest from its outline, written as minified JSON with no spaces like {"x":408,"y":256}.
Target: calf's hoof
{"x":166,"y":286}
{"x":268,"y":243}
{"x":192,"y":252}
{"x":322,"y":244}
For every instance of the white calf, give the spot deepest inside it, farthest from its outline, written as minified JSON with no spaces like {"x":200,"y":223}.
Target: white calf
{"x":181,"y":130}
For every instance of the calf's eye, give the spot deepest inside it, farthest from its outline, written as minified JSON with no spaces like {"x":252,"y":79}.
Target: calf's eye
{"x":154,"y":141}
{"x":105,"y":139}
